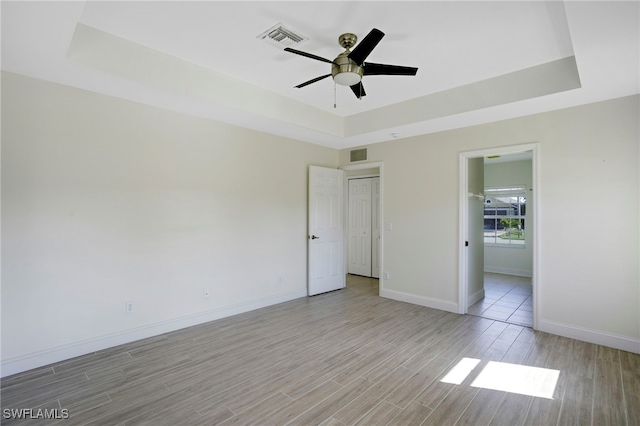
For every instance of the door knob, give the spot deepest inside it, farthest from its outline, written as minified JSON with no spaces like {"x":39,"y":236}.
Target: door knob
{"x":313,"y":237}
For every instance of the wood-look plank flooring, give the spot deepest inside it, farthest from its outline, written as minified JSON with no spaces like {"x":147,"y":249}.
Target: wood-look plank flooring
{"x":342,"y":358}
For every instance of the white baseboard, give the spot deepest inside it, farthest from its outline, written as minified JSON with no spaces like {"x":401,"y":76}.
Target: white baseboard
{"x":611,"y":340}
{"x":508,"y":271}
{"x":61,"y":353}
{"x":443,"y":305}
{"x":475,"y":297}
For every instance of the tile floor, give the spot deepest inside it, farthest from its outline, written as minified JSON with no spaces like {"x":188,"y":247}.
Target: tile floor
{"x":506,"y":298}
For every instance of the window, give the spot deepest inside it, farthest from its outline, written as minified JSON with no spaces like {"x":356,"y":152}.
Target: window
{"x":504,"y":216}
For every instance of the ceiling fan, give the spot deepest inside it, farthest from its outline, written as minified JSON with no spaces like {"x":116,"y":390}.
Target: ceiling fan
{"x":348,"y":68}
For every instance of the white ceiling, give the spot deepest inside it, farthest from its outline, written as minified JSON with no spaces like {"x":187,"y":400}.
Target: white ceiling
{"x":478,"y":61}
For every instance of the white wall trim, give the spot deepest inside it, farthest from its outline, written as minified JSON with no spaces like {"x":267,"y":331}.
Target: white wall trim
{"x":592,"y":336}
{"x":475,"y":297}
{"x":367,"y":176}
{"x":429,"y":302}
{"x":508,"y":271}
{"x":463,"y":225}
{"x":361,"y":166}
{"x":64,"y":352}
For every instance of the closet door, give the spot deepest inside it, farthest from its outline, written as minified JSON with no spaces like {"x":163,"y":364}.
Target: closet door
{"x":360,"y":236}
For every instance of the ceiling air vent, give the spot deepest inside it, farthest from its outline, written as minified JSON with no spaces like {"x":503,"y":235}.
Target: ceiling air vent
{"x":282,"y":37}
{"x":358,"y":155}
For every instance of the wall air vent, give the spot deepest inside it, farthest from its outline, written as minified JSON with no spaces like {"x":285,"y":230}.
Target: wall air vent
{"x":281,"y":36}
{"x":358,"y":155}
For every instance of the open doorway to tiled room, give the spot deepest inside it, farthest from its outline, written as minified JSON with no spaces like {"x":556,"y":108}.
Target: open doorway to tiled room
{"x":507,"y":298}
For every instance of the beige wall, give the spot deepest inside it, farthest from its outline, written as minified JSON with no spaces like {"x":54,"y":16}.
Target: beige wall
{"x":589,"y":215}
{"x":475,"y":223}
{"x":106,"y":201}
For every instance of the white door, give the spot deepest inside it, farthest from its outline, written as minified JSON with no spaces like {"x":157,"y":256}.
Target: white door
{"x":360,"y":227}
{"x":326,"y":230}
{"x":375,"y":227}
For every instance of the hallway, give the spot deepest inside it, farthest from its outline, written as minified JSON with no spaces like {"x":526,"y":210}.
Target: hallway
{"x":507,"y":298}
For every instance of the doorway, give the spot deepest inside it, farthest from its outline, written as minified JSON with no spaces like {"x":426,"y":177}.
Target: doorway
{"x":363,"y":244}
{"x":491,"y":271}
{"x":364,"y":171}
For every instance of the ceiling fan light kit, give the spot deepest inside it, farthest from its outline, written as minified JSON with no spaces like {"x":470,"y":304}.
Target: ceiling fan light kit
{"x":348,"y":68}
{"x":345,"y":71}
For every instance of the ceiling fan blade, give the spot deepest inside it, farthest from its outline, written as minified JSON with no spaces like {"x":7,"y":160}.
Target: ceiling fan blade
{"x":384,"y":69}
{"x":308,"y":55}
{"x":368,"y":43}
{"x":358,"y":90}
{"x":306,"y":83}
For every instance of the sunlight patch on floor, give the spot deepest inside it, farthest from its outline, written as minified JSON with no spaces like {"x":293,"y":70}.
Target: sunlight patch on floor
{"x":460,"y":371}
{"x":502,"y":376}
{"x":520,"y":379}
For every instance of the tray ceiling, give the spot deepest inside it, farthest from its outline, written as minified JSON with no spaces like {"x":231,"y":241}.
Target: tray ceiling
{"x":478,"y":61}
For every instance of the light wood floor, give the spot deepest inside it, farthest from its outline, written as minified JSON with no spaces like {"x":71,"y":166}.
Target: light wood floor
{"x":347,"y":357}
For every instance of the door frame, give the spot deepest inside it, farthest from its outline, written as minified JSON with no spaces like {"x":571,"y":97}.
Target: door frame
{"x":361,"y":166}
{"x":463,"y":277}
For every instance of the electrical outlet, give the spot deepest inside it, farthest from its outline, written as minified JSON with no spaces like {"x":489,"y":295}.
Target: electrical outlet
{"x":206,"y":294}
{"x":279,"y":279}
{"x":386,"y":275}
{"x":129,"y":307}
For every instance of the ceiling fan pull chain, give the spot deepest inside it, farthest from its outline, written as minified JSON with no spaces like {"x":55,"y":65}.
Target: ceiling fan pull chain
{"x":334,"y":94}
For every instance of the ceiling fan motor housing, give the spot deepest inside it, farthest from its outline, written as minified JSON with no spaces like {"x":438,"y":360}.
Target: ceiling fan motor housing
{"x":347,"y":40}
{"x":346,"y":71}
